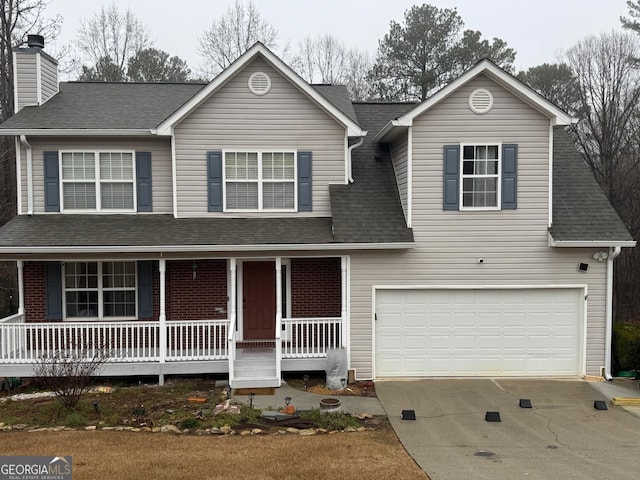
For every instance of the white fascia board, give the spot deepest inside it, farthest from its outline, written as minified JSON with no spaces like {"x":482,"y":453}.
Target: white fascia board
{"x":95,"y":132}
{"x":391,"y":128}
{"x":530,"y":96}
{"x":259,"y":49}
{"x":202,"y":248}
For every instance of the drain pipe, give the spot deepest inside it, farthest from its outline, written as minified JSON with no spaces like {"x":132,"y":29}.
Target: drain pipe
{"x":355,"y":145}
{"x":613,"y":253}
{"x":23,"y":140}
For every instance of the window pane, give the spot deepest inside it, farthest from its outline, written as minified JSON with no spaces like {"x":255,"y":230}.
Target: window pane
{"x":278,"y":195}
{"x":79,"y":196}
{"x":241,"y":166}
{"x":119,"y":303}
{"x":481,"y":152}
{"x":116,"y":166}
{"x":468,"y":167}
{"x":242,"y":196}
{"x":78,"y":166}
{"x":467,"y":153}
{"x":116,"y":195}
{"x":118,"y":275}
{"x":492,"y":167}
{"x":82,"y":304}
{"x":278,"y":166}
{"x":492,"y":152}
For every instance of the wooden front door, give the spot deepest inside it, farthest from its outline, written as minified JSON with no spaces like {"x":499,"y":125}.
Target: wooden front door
{"x":259,"y":300}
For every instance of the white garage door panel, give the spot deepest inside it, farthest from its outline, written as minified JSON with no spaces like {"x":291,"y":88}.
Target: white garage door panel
{"x":513,"y":332}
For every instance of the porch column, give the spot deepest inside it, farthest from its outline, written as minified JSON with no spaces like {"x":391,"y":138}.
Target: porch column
{"x":233,"y":298}
{"x":162,"y":320}
{"x":20,"y":264}
{"x":343,"y":310}
{"x":278,"y":317}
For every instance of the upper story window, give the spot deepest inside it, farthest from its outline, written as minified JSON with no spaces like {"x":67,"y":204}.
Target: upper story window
{"x":260,"y":181}
{"x":98,"y":181}
{"x":480,"y":167}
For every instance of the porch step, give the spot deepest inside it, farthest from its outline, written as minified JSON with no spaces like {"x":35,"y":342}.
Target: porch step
{"x":255,"y":367}
{"x":255,"y":382}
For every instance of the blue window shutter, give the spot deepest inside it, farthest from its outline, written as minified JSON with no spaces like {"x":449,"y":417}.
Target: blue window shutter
{"x":451,"y":196}
{"x":51,"y":182}
{"x":509,"y":177}
{"x":145,"y":289}
{"x":214,"y":181}
{"x":53,"y":279}
{"x":304,"y":182}
{"x":143,"y":182}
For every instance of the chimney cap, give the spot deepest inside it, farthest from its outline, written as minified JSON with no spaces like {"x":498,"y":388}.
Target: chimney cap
{"x":35,"y":41}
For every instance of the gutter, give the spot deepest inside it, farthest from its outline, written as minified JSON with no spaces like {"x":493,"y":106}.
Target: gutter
{"x":201,"y":248}
{"x":23,"y":140}
{"x":95,"y":132}
{"x":590,"y":243}
{"x":355,"y":145}
{"x":613,"y":253}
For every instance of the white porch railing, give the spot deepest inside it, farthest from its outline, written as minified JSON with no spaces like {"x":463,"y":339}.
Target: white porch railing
{"x":311,"y":337}
{"x":123,"y":341}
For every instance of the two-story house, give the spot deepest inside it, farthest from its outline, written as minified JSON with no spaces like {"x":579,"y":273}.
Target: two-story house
{"x":249,"y":225}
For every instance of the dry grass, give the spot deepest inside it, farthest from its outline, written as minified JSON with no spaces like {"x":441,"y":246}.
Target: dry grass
{"x":372,"y":454}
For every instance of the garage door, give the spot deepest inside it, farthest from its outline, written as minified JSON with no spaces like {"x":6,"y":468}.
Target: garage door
{"x":513,"y":332}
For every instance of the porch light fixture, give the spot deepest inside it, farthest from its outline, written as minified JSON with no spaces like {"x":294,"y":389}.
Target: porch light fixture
{"x":287,"y":401}
{"x":305,"y":379}
{"x":343,"y":381}
{"x":194,"y":267}
{"x":251,"y":397}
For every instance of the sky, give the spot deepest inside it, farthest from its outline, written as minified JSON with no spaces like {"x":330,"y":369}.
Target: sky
{"x":537,"y":29}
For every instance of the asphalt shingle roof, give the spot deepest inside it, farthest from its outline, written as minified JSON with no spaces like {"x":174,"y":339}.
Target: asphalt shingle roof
{"x":338,"y":95}
{"x":581,"y":211}
{"x":369,"y":210}
{"x":88,"y":230}
{"x":81,"y":105}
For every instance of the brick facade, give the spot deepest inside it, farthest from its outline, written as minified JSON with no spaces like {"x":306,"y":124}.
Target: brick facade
{"x":201,"y":298}
{"x":35,"y":292}
{"x":316,"y":287}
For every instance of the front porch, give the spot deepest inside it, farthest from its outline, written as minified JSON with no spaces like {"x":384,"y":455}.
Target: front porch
{"x":161,"y":343}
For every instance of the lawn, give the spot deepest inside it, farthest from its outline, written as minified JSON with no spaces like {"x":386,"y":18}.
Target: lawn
{"x":123,"y":455}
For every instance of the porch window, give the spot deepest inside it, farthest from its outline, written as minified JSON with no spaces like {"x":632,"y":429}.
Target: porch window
{"x":260,"y":181}
{"x":100,"y":289}
{"x":97,"y":181}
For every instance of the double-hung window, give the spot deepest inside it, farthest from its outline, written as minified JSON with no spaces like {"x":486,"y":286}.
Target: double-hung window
{"x":480,"y":166}
{"x":260,"y":181}
{"x":95,"y":290}
{"x":98,"y":181}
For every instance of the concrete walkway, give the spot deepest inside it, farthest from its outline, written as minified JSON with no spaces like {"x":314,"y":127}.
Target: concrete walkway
{"x":307,"y":400}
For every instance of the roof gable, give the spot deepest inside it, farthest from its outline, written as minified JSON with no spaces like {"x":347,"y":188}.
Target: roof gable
{"x":259,"y":50}
{"x":496,"y":74}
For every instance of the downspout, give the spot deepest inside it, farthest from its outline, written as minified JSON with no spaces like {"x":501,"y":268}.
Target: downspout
{"x":613,"y":253}
{"x":23,"y":140}
{"x":355,"y":145}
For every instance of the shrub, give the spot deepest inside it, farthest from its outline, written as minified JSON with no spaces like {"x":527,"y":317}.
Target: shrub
{"x":68,"y":374}
{"x":189,"y":423}
{"x":626,"y":346}
{"x":332,"y":420}
{"x":75,"y":419}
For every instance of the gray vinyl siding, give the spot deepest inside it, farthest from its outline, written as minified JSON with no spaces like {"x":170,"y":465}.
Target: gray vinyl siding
{"x":49,"y":71}
{"x":400,"y":167}
{"x":26,"y":74}
{"x":160,"y":160}
{"x":513,"y":243}
{"x":235,"y":119}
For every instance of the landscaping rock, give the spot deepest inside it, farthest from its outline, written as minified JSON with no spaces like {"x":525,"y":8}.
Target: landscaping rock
{"x":256,"y":431}
{"x":35,"y":430}
{"x":156,"y":429}
{"x":20,"y":426}
{"x":226,"y":429}
{"x":350,"y":429}
{"x":7,"y":428}
{"x":292,"y":430}
{"x":364,"y":416}
{"x":214,"y":431}
{"x":321,"y":430}
{"x":245,"y":432}
{"x":90,"y":428}
{"x":2,"y":424}
{"x":307,"y":432}
{"x":361,"y":429}
{"x":170,"y":429}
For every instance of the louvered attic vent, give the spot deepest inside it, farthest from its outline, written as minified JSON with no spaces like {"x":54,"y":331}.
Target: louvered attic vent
{"x":480,"y":101}
{"x":259,"y":83}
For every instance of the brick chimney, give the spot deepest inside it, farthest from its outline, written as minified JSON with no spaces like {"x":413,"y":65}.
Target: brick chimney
{"x":35,"y":74}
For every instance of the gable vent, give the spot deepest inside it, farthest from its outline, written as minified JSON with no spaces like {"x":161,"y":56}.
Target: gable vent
{"x":259,"y":83}
{"x":480,"y":101}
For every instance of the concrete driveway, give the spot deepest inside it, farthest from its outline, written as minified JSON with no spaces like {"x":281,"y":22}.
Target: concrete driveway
{"x":561,"y":437}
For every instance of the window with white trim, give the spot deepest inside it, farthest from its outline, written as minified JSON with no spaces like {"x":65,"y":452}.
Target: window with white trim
{"x":96,"y":290}
{"x":480,"y":167}
{"x":260,"y":181}
{"x":98,"y":181}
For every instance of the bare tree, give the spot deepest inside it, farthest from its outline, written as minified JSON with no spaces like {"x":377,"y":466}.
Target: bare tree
{"x":232,"y":34}
{"x":113,"y":35}
{"x":608,"y":82}
{"x":325,"y":59}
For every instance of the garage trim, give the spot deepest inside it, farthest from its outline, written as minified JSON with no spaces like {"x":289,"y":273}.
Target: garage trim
{"x":583,"y":323}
